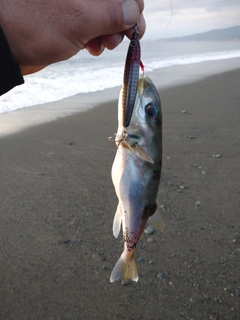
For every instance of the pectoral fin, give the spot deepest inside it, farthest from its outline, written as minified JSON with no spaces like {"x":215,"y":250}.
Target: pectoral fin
{"x":140,"y":152}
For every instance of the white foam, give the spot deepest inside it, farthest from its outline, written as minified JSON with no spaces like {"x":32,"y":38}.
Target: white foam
{"x":84,"y":73}
{"x":183,"y":60}
{"x":11,"y":122}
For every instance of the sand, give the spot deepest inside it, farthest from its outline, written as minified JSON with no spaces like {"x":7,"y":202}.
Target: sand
{"x":57,"y":205}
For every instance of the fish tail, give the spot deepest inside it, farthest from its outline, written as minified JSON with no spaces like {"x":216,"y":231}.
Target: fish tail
{"x":124,"y":270}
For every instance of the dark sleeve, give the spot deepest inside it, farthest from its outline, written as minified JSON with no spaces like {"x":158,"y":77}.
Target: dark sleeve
{"x":10,"y":74}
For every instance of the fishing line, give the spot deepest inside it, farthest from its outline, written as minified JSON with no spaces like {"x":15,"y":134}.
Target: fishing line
{"x":144,"y":44}
{"x":170,"y":19}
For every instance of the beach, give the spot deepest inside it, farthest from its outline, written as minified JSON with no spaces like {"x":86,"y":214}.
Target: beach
{"x":57,"y":249}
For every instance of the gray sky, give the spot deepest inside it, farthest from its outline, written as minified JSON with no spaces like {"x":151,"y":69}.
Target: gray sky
{"x":189,"y":16}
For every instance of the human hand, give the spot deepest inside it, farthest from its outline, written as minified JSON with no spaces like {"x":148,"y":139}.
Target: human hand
{"x":40,"y":33}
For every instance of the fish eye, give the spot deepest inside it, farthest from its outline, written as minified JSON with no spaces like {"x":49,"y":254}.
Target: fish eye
{"x":151,"y":111}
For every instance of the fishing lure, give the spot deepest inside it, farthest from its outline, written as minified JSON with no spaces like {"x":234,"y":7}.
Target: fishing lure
{"x":130,"y":78}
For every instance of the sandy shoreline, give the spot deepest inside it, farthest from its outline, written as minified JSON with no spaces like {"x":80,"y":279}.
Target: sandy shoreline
{"x":57,"y":205}
{"x":16,"y":121}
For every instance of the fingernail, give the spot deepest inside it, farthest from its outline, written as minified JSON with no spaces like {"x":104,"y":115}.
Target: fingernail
{"x":130,"y":12}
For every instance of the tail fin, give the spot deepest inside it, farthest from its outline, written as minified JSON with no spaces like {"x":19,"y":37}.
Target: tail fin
{"x":124,"y":270}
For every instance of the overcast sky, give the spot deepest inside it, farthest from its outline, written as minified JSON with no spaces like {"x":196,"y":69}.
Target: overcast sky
{"x":189,"y":16}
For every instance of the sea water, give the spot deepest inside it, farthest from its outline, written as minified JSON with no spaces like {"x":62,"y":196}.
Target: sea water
{"x":84,"y":73}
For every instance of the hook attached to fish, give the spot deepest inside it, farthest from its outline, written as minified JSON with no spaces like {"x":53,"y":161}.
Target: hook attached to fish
{"x":130,"y":78}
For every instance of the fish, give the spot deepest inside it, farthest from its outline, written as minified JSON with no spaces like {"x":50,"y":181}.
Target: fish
{"x":136,"y":173}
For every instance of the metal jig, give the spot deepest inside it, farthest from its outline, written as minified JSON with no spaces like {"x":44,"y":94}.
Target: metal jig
{"x":130,"y":78}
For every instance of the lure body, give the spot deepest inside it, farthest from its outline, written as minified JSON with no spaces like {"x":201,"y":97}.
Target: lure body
{"x":130,"y":78}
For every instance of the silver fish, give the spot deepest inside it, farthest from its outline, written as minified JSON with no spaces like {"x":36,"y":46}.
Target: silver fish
{"x":136,"y":174}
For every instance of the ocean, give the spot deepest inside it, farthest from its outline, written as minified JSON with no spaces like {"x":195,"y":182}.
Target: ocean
{"x":84,"y":73}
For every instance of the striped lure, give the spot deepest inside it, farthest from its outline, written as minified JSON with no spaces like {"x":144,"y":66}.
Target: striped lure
{"x":130,"y":78}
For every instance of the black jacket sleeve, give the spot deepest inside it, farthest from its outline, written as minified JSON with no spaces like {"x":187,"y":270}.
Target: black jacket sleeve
{"x":10,"y":74}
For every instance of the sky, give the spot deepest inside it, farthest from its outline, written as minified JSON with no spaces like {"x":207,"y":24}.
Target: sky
{"x":189,"y":16}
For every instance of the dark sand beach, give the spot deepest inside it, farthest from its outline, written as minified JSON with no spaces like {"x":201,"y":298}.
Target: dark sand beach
{"x":57,"y":206}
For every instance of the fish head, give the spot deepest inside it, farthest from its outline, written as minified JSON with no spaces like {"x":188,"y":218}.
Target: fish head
{"x":147,"y":109}
{"x":145,"y":128}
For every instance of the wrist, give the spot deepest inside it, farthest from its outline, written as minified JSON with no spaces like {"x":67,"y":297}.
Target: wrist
{"x":10,"y":74}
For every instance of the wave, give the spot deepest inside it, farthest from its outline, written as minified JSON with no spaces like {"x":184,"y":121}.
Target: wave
{"x":183,"y":60}
{"x":79,"y":75}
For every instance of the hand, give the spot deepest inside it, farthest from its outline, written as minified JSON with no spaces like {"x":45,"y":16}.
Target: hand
{"x":43,"y":32}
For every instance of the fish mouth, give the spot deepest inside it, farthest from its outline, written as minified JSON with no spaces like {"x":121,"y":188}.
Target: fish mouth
{"x":133,"y":137}
{"x":128,"y":139}
{"x":131,"y":140}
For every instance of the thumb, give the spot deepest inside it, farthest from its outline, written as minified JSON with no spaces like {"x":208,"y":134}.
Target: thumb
{"x":104,"y":17}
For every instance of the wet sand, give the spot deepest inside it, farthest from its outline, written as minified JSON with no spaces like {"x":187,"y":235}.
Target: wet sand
{"x":57,"y":206}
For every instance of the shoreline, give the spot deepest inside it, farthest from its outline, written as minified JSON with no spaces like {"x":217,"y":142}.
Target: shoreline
{"x":15,"y":121}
